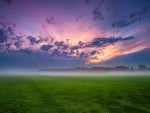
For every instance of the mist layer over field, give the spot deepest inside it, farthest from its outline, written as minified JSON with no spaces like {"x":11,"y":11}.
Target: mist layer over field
{"x":72,"y":73}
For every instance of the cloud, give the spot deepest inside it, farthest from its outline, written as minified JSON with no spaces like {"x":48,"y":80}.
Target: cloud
{"x":18,"y":44}
{"x":33,"y":40}
{"x":8,"y":45}
{"x":46,"y":47}
{"x":78,"y":46}
{"x":75,"y":47}
{"x":83,"y":55}
{"x":3,"y":37}
{"x":97,"y":12}
{"x":71,"y":52}
{"x":10,"y":31}
{"x":51,"y":20}
{"x":18,"y":41}
{"x":93,"y":52}
{"x":103,"y":41}
{"x":55,"y":53}
{"x":81,"y":49}
{"x":61,"y":44}
{"x":131,"y":18}
{"x":6,"y":31}
{"x":60,"y":49}
{"x":64,"y":54}
{"x":81,"y":44}
{"x":27,"y":51}
{"x":123,"y":22}
{"x":59,"y":53}
{"x":128,"y":38}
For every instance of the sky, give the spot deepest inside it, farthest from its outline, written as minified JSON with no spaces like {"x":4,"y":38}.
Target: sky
{"x":74,"y":33}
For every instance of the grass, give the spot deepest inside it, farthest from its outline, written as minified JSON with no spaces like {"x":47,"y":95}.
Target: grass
{"x":75,"y":94}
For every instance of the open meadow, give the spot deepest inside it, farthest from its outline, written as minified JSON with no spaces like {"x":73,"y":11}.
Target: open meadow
{"x":62,"y":94}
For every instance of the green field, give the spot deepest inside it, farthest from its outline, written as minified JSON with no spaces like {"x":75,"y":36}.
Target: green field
{"x":30,"y":94}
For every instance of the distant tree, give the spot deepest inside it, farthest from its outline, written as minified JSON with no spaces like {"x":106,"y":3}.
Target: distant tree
{"x":131,"y":68}
{"x":122,"y":67}
{"x":141,"y":67}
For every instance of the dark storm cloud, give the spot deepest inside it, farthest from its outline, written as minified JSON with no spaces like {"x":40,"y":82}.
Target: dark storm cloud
{"x":103,"y":41}
{"x":131,"y":18}
{"x":46,"y":47}
{"x":51,"y":20}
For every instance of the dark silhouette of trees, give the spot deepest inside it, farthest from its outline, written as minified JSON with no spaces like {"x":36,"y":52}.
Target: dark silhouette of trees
{"x":141,"y":67}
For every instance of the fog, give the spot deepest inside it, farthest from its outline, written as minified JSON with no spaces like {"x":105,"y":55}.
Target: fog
{"x":72,"y":73}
